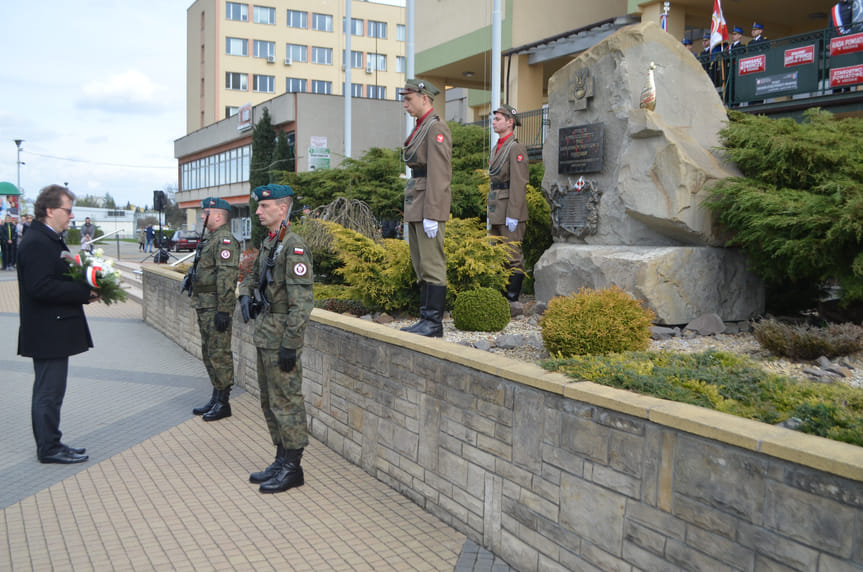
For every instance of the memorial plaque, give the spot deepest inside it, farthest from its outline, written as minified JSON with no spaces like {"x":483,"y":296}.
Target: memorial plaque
{"x":573,"y":211}
{"x":580,"y":149}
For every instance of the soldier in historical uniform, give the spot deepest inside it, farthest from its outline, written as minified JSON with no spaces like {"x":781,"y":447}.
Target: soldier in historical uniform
{"x":278,"y":294}
{"x":213,"y":285}
{"x":428,"y":153}
{"x":507,"y":196}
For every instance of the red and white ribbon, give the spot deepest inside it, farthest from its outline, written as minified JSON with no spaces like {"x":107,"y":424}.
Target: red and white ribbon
{"x":92,"y":274}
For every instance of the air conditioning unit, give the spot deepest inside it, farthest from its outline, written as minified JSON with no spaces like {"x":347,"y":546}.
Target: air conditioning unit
{"x":369,"y":68}
{"x":271,"y":59}
{"x":288,"y":61}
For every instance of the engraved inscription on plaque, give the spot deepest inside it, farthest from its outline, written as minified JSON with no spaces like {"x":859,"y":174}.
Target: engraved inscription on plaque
{"x":580,"y":149}
{"x":573,"y":211}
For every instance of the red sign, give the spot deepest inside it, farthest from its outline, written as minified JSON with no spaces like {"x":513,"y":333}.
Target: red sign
{"x":846,"y":44}
{"x":800,"y":56}
{"x":754,"y":64}
{"x":846,"y":76}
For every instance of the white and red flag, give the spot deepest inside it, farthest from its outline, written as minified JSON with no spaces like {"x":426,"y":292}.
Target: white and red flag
{"x":718,"y":28}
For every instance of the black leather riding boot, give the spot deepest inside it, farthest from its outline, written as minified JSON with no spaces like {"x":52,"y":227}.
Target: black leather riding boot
{"x":207,"y":406}
{"x":423,"y":305}
{"x":221,"y":408}
{"x":431,"y":325}
{"x":290,"y":474}
{"x":513,"y":289}
{"x":271,"y":471}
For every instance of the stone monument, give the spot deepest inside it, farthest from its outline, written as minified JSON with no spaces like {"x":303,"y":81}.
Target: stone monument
{"x":626,"y":183}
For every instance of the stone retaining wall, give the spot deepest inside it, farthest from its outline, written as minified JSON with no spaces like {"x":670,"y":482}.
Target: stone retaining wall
{"x":552,"y":474}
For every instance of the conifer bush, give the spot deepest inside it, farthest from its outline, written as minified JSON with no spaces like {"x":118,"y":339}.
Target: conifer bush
{"x":595,"y":322}
{"x":481,"y":310}
{"x":806,"y":342}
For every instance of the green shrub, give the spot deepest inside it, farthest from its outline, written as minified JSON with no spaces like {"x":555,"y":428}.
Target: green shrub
{"x":729,"y":383}
{"x":481,"y":310}
{"x":595,"y":322}
{"x":807,"y":342}
{"x":341,"y":306}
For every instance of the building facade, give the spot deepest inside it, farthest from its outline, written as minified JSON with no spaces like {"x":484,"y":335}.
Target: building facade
{"x":240,"y":53}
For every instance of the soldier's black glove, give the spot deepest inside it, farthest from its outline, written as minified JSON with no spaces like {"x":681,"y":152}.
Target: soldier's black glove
{"x":246,"y":308}
{"x":187,"y":285}
{"x":221,"y":321}
{"x":287,"y":359}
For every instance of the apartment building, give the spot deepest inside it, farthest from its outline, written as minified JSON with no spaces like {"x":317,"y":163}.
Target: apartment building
{"x":241,"y":53}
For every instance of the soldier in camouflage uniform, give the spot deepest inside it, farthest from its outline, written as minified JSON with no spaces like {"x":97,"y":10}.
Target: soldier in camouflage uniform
{"x":214,"y":282}
{"x":281,"y":300}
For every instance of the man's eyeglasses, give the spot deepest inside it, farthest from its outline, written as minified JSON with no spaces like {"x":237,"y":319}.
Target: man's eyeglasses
{"x":68,"y":211}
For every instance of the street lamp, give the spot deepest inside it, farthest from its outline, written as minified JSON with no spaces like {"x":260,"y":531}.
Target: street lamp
{"x":18,"y":144}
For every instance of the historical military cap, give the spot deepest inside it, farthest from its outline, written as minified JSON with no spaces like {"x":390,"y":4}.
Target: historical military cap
{"x":757,"y":26}
{"x":706,"y":37}
{"x":419,"y":86}
{"x":215,"y":203}
{"x":272,"y":191}
{"x":508,"y":111}
{"x":737,"y":30}
{"x":687,"y":42}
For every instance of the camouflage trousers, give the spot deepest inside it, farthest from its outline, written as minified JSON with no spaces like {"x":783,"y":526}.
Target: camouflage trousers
{"x":216,"y":350}
{"x":282,"y":400}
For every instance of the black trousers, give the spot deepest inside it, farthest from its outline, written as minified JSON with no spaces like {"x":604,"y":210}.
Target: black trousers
{"x":8,"y":253}
{"x":49,"y":388}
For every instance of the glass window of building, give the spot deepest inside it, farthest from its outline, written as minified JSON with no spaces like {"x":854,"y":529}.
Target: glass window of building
{"x":231,"y":110}
{"x":401,"y":64}
{"x":296,"y":53}
{"x":297,"y":19}
{"x":322,"y":22}
{"x":376,"y":92}
{"x":236,"y":11}
{"x":264,"y":83}
{"x":264,"y":15}
{"x":400,"y":32}
{"x":377,"y":29}
{"x":322,"y":56}
{"x":295,"y":84}
{"x":265,"y":49}
{"x":325,"y":87}
{"x":236,"y":47}
{"x":236,"y":81}
{"x":377,"y":61}
{"x":356,"y":26}
{"x":356,"y":59}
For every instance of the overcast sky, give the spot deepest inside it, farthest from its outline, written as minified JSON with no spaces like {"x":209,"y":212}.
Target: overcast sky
{"x":97,"y":91}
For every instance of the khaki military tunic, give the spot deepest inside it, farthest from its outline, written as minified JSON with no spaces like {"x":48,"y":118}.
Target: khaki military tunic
{"x":507,"y":195}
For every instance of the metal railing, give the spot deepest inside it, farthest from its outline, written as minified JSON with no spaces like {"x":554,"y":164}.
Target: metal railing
{"x":532,"y":131}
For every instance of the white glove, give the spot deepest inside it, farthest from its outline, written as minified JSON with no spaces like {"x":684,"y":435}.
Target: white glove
{"x":430,"y":227}
{"x":511,"y":223}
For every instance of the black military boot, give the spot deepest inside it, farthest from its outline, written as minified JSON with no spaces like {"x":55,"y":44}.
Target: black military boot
{"x":431,"y":325}
{"x":290,"y":474}
{"x":513,"y":289}
{"x":221,"y":408}
{"x":423,"y":304}
{"x":272,"y":470}
{"x":207,"y":406}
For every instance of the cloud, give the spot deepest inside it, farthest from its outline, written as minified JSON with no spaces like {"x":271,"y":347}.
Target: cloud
{"x":128,"y":92}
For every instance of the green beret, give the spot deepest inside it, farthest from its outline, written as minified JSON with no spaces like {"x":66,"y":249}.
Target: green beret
{"x":215,"y":203}
{"x":272,"y":191}
{"x":419,"y":86}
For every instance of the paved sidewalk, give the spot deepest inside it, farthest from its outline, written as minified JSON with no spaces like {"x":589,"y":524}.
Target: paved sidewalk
{"x":164,"y":490}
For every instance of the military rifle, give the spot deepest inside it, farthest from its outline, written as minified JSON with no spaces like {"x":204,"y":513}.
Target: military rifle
{"x":189,"y":280}
{"x":261,"y":304}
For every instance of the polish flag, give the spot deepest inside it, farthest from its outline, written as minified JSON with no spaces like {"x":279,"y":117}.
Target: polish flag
{"x":718,"y":28}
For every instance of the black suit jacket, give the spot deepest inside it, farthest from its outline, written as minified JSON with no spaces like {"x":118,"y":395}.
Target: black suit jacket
{"x":51,"y":309}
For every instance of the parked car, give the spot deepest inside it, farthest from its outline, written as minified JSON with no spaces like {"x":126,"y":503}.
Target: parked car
{"x":185,"y":240}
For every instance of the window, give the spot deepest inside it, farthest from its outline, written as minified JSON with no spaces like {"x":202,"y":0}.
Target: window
{"x":298,"y":19}
{"x":235,"y":11}
{"x":296,"y":53}
{"x":376,"y":92}
{"x":236,"y":47}
{"x":322,"y":22}
{"x":221,"y":169}
{"x":230,"y":111}
{"x":376,"y":61}
{"x":401,"y":64}
{"x":295,"y":84}
{"x":377,"y":29}
{"x":264,"y":15}
{"x":322,"y":56}
{"x":356,"y":26}
{"x":400,"y":32}
{"x":265,"y":49}
{"x":238,"y":81}
{"x":356,"y":89}
{"x":325,"y":87}
{"x":264,"y":83}
{"x":356,"y":58}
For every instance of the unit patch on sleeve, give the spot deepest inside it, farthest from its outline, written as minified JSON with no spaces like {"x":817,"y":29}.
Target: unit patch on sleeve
{"x":300,"y":269}
{"x":439,"y":137}
{"x":519,"y":157}
{"x":226,"y":241}
{"x":299,"y":250}
{"x":225,"y":254}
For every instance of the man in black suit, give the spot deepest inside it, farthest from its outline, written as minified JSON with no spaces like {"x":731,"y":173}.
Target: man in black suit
{"x":53,"y":326}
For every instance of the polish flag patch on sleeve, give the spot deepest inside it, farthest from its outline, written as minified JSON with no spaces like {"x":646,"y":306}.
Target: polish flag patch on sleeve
{"x":299,"y":250}
{"x":226,"y":241}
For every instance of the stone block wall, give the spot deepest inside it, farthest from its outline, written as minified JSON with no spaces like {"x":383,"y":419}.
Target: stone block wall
{"x":552,"y":474}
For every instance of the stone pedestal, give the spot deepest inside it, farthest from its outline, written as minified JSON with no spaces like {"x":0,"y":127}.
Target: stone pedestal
{"x":679,"y":283}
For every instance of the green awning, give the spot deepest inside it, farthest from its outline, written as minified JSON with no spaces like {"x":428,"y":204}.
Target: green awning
{"x":8,"y":189}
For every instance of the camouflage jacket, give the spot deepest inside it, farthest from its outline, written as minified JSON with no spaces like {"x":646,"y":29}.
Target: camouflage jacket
{"x":216,"y":277}
{"x":290,"y":294}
